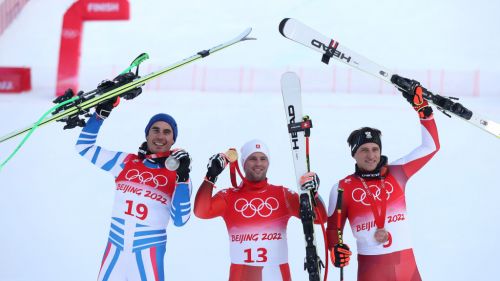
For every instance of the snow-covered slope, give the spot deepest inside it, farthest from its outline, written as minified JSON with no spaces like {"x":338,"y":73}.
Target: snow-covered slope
{"x":55,"y":206}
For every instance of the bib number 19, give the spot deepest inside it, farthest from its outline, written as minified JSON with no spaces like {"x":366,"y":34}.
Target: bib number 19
{"x":140,"y":212}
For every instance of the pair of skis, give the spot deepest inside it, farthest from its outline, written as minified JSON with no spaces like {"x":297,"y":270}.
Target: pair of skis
{"x":331,"y":48}
{"x":75,"y":107}
{"x":70,"y":108}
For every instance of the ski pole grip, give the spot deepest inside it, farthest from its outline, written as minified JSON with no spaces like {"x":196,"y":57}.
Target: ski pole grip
{"x":339,"y":199}
{"x":142,"y":57}
{"x":339,"y":214}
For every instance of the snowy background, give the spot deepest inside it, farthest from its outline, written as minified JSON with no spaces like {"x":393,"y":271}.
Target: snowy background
{"x":55,"y":206}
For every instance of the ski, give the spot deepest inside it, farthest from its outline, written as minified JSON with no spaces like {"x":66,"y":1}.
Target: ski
{"x":331,"y":48}
{"x":80,"y":106}
{"x":298,"y":129}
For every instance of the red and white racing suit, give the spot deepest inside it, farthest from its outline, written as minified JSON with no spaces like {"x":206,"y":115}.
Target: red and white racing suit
{"x":394,"y":259}
{"x":256,"y":215}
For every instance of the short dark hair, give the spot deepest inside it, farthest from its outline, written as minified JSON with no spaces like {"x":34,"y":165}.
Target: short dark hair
{"x":358,"y":138}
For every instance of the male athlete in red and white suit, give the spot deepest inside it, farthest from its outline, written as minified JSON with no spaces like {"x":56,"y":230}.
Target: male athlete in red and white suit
{"x":374,"y":202}
{"x":256,"y":214}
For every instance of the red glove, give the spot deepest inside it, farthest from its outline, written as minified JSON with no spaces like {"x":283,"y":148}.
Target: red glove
{"x":340,"y":255}
{"x":418,"y":102}
{"x":420,"y":105}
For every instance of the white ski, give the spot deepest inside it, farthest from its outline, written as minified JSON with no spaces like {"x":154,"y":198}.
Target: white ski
{"x":290,"y":89}
{"x":331,"y":48}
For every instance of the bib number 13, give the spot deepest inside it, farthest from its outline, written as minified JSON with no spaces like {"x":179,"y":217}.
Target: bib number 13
{"x":261,"y":254}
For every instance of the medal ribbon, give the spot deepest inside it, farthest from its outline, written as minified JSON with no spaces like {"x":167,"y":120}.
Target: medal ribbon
{"x":379,"y":217}
{"x":158,"y":155}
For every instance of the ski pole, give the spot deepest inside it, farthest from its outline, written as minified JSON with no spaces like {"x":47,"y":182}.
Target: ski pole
{"x":33,"y":129}
{"x":307,"y":132}
{"x":339,"y":229}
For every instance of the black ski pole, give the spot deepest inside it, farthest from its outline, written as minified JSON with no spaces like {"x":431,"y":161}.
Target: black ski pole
{"x":339,"y":229}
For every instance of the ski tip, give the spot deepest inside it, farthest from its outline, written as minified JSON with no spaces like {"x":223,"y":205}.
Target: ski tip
{"x":282,"y":26}
{"x":290,"y":80}
{"x":244,"y":35}
{"x":289,"y":74}
{"x":246,"y":32}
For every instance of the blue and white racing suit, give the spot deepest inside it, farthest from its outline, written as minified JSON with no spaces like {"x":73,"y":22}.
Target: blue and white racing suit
{"x":146,"y":197}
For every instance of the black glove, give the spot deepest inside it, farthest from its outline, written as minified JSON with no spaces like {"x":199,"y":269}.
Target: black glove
{"x":143,"y":151}
{"x":310,"y":181}
{"x":184,"y":164}
{"x":104,"y":109}
{"x":340,"y":255}
{"x":215,"y":166}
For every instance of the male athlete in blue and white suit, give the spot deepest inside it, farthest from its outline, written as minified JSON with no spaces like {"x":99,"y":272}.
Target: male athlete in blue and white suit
{"x":147,"y":195}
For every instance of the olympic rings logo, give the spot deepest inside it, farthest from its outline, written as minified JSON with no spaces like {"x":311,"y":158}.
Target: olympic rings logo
{"x":146,"y":177}
{"x":256,"y":206}
{"x":359,"y":194}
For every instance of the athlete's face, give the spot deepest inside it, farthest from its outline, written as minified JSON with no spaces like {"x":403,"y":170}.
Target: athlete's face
{"x":160,"y":137}
{"x":255,"y":166}
{"x":367,"y":156}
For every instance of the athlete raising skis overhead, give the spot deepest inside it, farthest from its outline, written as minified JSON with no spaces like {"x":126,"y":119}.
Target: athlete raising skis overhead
{"x":256,"y":214}
{"x":374,"y":202}
{"x":147,"y":195}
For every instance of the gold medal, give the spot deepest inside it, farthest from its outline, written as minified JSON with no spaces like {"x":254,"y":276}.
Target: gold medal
{"x":231,"y":155}
{"x":381,"y":235}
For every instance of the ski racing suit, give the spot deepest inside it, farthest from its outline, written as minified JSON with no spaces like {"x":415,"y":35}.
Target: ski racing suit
{"x":146,"y":197}
{"x":393,"y":260}
{"x":256,"y":216}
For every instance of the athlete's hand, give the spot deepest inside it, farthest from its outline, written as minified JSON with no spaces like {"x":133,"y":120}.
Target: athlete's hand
{"x":104,"y":109}
{"x":184,"y":164}
{"x":340,"y":255}
{"x":415,"y":97}
{"x":309,"y":181}
{"x":215,"y":166}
